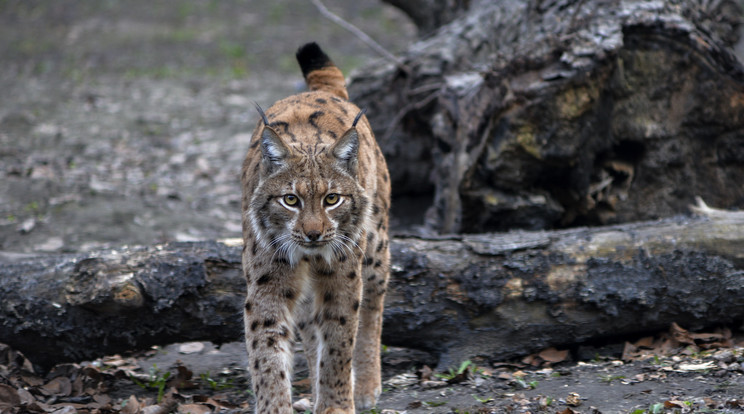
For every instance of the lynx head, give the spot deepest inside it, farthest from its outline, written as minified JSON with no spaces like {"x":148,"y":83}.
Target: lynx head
{"x":309,"y":201}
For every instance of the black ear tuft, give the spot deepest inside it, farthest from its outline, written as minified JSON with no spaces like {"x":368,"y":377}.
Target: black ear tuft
{"x":358,"y":117}
{"x":311,"y":57}
{"x":261,"y":112}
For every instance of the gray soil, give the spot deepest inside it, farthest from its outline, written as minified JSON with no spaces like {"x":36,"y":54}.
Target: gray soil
{"x":126,"y":123}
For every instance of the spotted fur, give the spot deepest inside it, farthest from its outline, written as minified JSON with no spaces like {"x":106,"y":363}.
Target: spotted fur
{"x":316,"y":196}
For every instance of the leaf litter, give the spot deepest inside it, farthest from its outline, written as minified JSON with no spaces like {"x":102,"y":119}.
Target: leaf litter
{"x":677,"y":371}
{"x":96,"y":387}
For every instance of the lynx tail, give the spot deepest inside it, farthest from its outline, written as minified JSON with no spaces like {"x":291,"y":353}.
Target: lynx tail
{"x":320,"y":73}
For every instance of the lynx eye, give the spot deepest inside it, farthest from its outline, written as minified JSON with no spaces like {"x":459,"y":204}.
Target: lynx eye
{"x":332,"y":199}
{"x":291,"y":200}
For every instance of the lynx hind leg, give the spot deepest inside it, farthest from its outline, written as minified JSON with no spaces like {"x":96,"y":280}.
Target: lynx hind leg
{"x":375,"y":273}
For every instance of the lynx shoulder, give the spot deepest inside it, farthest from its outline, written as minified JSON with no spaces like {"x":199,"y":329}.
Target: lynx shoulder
{"x":316,"y":194}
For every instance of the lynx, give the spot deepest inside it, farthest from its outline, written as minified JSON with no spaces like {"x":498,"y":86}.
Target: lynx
{"x":316,"y":195}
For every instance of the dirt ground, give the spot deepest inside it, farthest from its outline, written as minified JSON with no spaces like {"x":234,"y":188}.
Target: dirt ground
{"x":126,"y":122}
{"x":675,"y":372}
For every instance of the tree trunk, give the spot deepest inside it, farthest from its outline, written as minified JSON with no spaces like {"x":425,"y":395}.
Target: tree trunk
{"x":540,"y":115}
{"x":429,"y":15}
{"x":490,"y":295}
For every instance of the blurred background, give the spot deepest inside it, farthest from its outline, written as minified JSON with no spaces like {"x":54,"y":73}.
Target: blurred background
{"x":125,"y":122}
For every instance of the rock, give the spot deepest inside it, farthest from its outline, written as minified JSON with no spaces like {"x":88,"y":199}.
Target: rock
{"x":724,"y":355}
{"x":433,"y":384}
{"x":26,"y":226}
{"x":303,"y":405}
{"x":191,"y":348}
{"x":51,"y":244}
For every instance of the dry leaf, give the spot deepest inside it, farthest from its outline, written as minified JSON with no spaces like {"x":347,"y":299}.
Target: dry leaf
{"x":402,"y":380}
{"x":132,"y":406}
{"x":433,"y":384}
{"x":102,"y":399}
{"x":216,"y":402}
{"x":573,"y":399}
{"x":32,"y":380}
{"x":485,"y":372}
{"x":115,"y":361}
{"x":182,"y":379}
{"x":194,"y":409}
{"x":303,"y":385}
{"x":8,"y":396}
{"x":461,"y":377}
{"x":60,"y":386}
{"x":505,"y":376}
{"x":630,"y":352}
{"x":697,"y":367}
{"x":66,"y":408}
{"x":425,"y":373}
{"x":645,"y":342}
{"x":14,"y":360}
{"x":168,"y":404}
{"x":735,"y":403}
{"x":706,"y":336}
{"x":544,"y":402}
{"x":414,"y":404}
{"x":531,"y":360}
{"x":519,"y":374}
{"x":39,"y":407}
{"x":553,"y":355}
{"x":520,"y":398}
{"x":681,"y":335}
{"x":26,"y":397}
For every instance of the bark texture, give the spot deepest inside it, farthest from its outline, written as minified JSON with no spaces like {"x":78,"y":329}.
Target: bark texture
{"x":550,"y":114}
{"x":429,"y":15}
{"x":491,"y":295}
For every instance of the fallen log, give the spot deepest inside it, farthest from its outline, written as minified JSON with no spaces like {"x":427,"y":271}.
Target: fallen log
{"x":491,"y":295}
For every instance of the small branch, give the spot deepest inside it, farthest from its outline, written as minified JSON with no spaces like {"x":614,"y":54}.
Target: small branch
{"x":361,"y":35}
{"x":702,"y":209}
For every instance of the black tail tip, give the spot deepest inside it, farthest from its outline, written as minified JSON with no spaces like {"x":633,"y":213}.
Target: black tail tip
{"x":311,"y":57}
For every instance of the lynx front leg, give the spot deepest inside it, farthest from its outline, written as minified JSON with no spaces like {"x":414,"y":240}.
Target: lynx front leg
{"x":336,"y":317}
{"x":309,"y":336}
{"x":268,"y":337}
{"x":375,"y":272}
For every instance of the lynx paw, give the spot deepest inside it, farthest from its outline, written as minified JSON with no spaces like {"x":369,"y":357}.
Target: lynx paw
{"x":336,"y":411}
{"x":366,"y":400}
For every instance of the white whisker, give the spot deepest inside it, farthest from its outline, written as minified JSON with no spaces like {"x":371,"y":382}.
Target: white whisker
{"x":281,"y":244}
{"x":349,"y":244}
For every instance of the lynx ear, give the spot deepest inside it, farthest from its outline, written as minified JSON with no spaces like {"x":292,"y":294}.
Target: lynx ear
{"x":272,"y":147}
{"x":346,"y":150}
{"x":273,"y":150}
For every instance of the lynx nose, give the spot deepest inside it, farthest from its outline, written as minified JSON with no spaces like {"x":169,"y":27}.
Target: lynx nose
{"x":313,"y":235}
